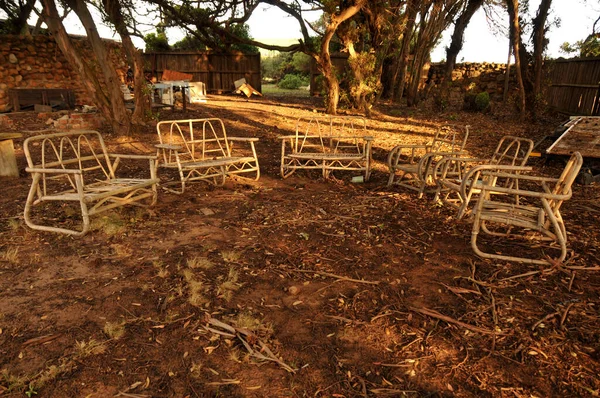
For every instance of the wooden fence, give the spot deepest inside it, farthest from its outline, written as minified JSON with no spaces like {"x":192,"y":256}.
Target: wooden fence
{"x":217,"y":71}
{"x":575,"y":86}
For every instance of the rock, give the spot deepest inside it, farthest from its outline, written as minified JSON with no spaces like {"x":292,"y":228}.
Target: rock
{"x":12,"y":59}
{"x":294,"y":290}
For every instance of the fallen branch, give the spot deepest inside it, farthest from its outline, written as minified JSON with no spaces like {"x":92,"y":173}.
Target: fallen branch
{"x":338,"y":277}
{"x":445,"y":318}
{"x":245,"y":337}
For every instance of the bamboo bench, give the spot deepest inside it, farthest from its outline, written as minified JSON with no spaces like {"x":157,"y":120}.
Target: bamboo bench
{"x":76,"y":167}
{"x":200,"y":150}
{"x":327,"y":143}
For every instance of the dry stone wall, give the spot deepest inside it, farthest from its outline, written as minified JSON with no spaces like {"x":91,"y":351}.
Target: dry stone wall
{"x":37,"y":62}
{"x":474,"y":78}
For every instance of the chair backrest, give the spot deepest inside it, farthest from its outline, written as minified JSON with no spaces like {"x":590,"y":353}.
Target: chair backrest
{"x":81,"y":150}
{"x":323,"y":128}
{"x":201,"y":139}
{"x":512,"y":151}
{"x":449,"y":139}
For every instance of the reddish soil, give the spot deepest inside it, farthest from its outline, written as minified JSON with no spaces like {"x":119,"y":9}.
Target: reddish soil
{"x":331,"y":277}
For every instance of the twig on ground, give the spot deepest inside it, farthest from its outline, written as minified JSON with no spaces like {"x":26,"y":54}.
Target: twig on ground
{"x":244,"y":336}
{"x":563,"y":318}
{"x":544,"y":319}
{"x":338,"y":277}
{"x":437,"y":315}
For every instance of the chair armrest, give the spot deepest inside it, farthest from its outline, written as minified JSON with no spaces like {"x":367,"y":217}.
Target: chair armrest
{"x":243,"y":139}
{"x":455,"y":164}
{"x":123,"y":156}
{"x":394,"y":155}
{"x":170,"y":147}
{"x":498,"y":171}
{"x":52,"y":171}
{"x":491,"y":189}
{"x":426,"y":164}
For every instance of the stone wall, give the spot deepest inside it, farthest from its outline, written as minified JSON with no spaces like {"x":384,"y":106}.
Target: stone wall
{"x":37,"y":62}
{"x":474,"y":78}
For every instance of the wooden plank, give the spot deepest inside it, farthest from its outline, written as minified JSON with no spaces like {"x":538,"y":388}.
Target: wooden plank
{"x":583,"y":135}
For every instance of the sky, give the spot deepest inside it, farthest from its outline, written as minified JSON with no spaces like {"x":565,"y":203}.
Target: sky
{"x":577,"y":18}
{"x":480,"y":45}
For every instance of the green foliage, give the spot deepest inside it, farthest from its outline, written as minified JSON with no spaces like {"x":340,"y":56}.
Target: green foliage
{"x":242,"y":31}
{"x":301,"y":63}
{"x":189,"y":43}
{"x":482,"y":101}
{"x":590,"y":47}
{"x":292,"y":82}
{"x":275,"y":67}
{"x":157,"y":42}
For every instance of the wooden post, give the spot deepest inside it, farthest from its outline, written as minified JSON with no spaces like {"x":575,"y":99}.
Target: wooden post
{"x":8,"y":161}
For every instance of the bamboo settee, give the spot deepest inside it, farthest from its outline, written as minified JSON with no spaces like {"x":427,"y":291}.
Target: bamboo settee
{"x":76,"y":167}
{"x":200,"y":150}
{"x":327,"y":143}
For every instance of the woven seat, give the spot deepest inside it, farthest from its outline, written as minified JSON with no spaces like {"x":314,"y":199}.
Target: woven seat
{"x":527,"y":214}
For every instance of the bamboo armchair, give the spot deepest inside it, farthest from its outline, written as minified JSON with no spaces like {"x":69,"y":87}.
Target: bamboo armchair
{"x":200,"y":150}
{"x":412,"y":166}
{"x":459,"y":179}
{"x":75,"y":167}
{"x":531,"y":214}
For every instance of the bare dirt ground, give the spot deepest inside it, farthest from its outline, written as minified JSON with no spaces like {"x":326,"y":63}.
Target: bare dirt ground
{"x":352,"y":290}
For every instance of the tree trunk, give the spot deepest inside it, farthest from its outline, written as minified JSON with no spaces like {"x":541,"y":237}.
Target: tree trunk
{"x":72,"y":55}
{"x":513,"y":13}
{"x":411,"y":9}
{"x":142,"y":101}
{"x":120,"y":119}
{"x":324,"y":58}
{"x":458,"y":36}
{"x":539,"y":45}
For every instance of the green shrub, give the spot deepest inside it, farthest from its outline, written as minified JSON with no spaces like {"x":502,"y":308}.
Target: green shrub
{"x":292,"y":82}
{"x":482,"y":101}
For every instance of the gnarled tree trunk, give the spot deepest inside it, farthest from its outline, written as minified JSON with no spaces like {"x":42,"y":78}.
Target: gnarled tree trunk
{"x":142,"y":101}
{"x":458,"y":36}
{"x":72,"y":55}
{"x":323,"y":59}
{"x":119,"y":118}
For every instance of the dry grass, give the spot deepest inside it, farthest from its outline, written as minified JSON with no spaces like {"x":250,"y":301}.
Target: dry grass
{"x":200,"y":262}
{"x":14,"y":224}
{"x":195,"y":288}
{"x":92,"y":347}
{"x":246,"y":320}
{"x":111,"y":224}
{"x":162,"y":271}
{"x":12,"y":382}
{"x":231,"y":256}
{"x":114,"y":331}
{"x":10,"y":255}
{"x":230,"y":285}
